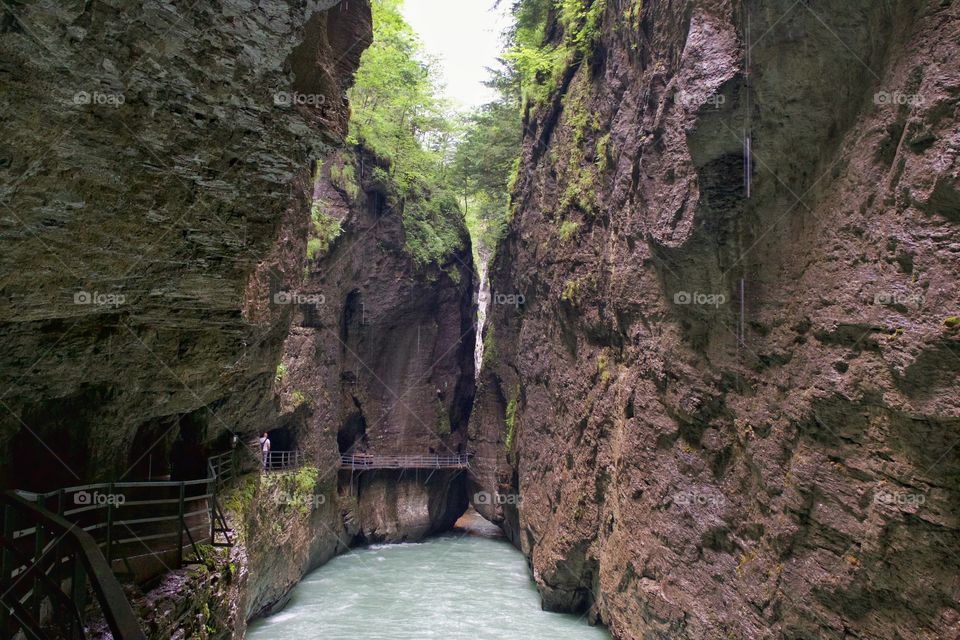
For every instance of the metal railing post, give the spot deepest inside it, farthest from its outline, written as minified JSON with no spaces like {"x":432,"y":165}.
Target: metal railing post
{"x":110,"y":528}
{"x":6,"y":559}
{"x":180,"y":526}
{"x":213,"y":502}
{"x":61,"y":573}
{"x":78,"y":587}
{"x":38,"y":537}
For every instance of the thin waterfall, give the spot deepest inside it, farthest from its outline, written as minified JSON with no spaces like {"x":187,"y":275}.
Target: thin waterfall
{"x":483,"y":299}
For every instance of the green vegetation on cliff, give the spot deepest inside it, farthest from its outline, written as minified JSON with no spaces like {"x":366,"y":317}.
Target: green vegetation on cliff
{"x":444,"y":168}
{"x":511,"y":418}
{"x":547,"y":37}
{"x":487,"y":159}
{"x":324,"y":230}
{"x":538,"y":53}
{"x":399,"y":116}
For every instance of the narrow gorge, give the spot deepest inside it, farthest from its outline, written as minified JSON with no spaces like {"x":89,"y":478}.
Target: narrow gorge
{"x":650,"y":332}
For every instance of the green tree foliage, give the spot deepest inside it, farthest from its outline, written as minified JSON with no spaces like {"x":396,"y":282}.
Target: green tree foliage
{"x":398,"y":115}
{"x":485,"y":160}
{"x":441,"y":165}
{"x":547,"y":37}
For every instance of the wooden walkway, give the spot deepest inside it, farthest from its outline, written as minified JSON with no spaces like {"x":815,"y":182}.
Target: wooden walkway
{"x":362,"y":461}
{"x":58,"y":547}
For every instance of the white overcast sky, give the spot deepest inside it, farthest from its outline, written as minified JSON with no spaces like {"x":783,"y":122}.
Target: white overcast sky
{"x":465,"y":35}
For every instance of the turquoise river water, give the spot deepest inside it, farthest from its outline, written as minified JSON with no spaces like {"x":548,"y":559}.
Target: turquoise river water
{"x":469,"y":584}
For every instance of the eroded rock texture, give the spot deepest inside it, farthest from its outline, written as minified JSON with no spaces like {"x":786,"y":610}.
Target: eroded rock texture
{"x":155,"y":181}
{"x":379,"y":359}
{"x":694,"y":463}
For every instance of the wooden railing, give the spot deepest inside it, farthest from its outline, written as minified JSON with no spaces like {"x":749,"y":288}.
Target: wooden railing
{"x":131,"y":522}
{"x":149,"y":522}
{"x":40,"y":553}
{"x":94,"y":531}
{"x":370,"y":461}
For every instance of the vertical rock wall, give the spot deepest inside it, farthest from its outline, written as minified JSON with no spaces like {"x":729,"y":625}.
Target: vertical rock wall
{"x":696,"y":463}
{"x":158,"y":174}
{"x":380,"y":356}
{"x":154,"y":195}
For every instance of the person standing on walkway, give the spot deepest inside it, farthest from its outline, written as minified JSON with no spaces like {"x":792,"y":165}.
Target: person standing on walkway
{"x":265,"y":449}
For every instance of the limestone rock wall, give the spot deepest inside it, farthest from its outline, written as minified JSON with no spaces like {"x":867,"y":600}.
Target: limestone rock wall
{"x":727,"y":413}
{"x":154,"y":181}
{"x":379,"y":359}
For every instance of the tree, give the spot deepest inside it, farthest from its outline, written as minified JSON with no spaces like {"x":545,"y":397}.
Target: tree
{"x":485,"y":160}
{"x":399,"y":115}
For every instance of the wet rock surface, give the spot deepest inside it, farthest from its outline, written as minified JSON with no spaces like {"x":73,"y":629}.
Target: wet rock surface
{"x":287,"y":531}
{"x":153,"y":176}
{"x":693,"y":462}
{"x":379,"y":360}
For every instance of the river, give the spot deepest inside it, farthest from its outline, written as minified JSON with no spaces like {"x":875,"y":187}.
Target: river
{"x":469,"y":584}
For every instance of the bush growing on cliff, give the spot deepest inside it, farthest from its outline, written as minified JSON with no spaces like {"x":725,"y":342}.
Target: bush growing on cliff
{"x":602,"y":153}
{"x":429,"y":235}
{"x":489,"y":346}
{"x":298,"y":398}
{"x":442,"y":426}
{"x":240,"y":498}
{"x":511,"y":419}
{"x":325,"y":229}
{"x":294,"y":489}
{"x":343,"y":175}
{"x":539,"y":57}
{"x":567,"y":229}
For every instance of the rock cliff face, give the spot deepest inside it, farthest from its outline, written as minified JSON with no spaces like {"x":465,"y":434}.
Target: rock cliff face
{"x":284,"y":525}
{"x":154,"y":181}
{"x":161,"y":175}
{"x":289,"y":527}
{"x":380,"y":356}
{"x":730,"y":404}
